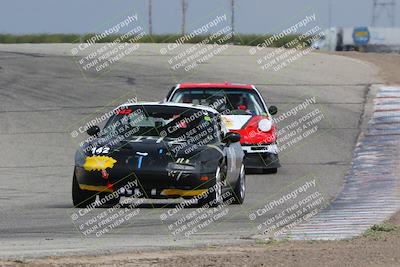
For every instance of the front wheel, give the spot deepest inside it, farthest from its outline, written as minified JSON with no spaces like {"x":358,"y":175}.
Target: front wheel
{"x":214,"y":195}
{"x":240,"y":187}
{"x":81,"y":198}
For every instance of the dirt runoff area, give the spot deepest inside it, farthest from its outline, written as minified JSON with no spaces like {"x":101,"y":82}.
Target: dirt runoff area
{"x":388,"y":64}
{"x":379,"y":246}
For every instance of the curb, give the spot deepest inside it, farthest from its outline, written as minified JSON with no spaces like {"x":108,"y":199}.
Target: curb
{"x":371,"y":193}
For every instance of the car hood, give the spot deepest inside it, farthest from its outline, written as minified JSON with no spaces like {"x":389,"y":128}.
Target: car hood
{"x":143,"y":153}
{"x":235,"y":122}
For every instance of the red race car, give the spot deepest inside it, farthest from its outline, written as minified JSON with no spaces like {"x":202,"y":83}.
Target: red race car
{"x":244,"y":111}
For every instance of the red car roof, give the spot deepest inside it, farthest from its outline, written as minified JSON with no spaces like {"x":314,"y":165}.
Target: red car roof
{"x":215,"y":85}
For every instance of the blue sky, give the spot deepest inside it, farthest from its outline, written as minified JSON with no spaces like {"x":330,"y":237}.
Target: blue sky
{"x":252,"y":16}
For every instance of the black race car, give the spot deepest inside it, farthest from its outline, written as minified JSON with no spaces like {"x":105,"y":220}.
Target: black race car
{"x":155,"y":150}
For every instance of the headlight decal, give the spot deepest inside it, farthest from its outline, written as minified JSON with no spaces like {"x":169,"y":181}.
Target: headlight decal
{"x":98,"y":163}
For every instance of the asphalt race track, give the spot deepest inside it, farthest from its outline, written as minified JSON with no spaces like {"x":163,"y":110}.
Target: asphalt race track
{"x":44,"y":96}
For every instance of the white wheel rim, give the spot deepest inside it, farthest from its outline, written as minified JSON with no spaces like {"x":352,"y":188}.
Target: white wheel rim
{"x":242,"y":182}
{"x":218,"y":187}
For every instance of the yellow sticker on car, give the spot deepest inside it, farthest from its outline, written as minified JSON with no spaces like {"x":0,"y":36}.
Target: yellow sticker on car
{"x":98,"y":163}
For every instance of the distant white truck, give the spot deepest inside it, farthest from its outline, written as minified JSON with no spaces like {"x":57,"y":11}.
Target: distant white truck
{"x":368,"y":39}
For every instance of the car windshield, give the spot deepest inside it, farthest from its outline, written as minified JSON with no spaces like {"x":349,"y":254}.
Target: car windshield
{"x":226,"y":101}
{"x":169,"y":122}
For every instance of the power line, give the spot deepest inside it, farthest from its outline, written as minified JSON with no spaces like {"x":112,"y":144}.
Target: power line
{"x":384,"y":5}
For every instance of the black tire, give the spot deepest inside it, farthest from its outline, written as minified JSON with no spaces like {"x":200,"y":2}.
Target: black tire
{"x":239,"y":192}
{"x":214,"y":197}
{"x":81,"y":198}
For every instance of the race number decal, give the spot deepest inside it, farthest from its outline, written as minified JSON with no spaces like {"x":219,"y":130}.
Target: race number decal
{"x":100,"y":150}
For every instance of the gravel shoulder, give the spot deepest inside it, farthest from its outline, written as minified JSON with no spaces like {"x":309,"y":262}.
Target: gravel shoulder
{"x":378,"y":247}
{"x":388,"y":64}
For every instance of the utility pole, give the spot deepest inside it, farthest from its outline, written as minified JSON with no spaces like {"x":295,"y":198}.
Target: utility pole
{"x":330,"y":14}
{"x":330,"y":22}
{"x":384,"y":5}
{"x":150,"y":17}
{"x":184,"y":8}
{"x":233,"y":16}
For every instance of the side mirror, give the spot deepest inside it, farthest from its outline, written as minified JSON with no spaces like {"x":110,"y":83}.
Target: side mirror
{"x":94,"y":130}
{"x":273,"y":110}
{"x":231,"y":138}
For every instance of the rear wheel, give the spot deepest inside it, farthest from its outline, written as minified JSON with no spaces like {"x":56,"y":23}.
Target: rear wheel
{"x":240,"y":188}
{"x":214,"y":195}
{"x":81,"y":198}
